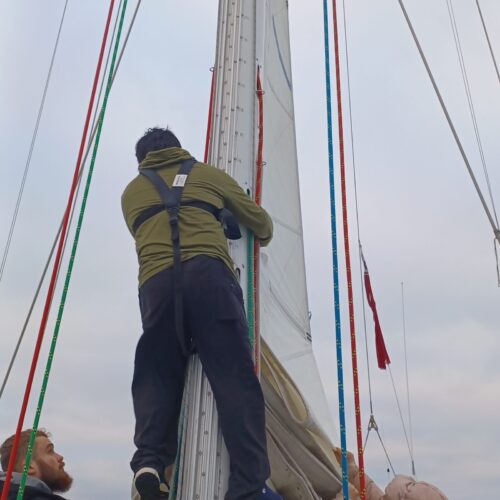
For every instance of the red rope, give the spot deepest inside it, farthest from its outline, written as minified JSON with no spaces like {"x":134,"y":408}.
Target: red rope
{"x":256,"y":243}
{"x":209,"y":122}
{"x":57,"y":264}
{"x":348,"y":261}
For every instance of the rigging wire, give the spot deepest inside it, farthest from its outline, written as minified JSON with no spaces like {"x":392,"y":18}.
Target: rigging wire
{"x":354,"y":360}
{"x":488,"y":40}
{"x":25,"y":325}
{"x":32,"y":145}
{"x":412,"y":454}
{"x":496,"y":258}
{"x":472,"y":110}
{"x":72,"y":258}
{"x":401,"y":414}
{"x":496,"y":230}
{"x":51,"y":253}
{"x":56,"y":265}
{"x":333,"y":222}
{"x":372,"y":424}
{"x":358,"y":226}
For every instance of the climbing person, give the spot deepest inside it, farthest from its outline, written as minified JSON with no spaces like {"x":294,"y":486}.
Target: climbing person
{"x":180,"y":212}
{"x":46,"y":474}
{"x":400,"y":488}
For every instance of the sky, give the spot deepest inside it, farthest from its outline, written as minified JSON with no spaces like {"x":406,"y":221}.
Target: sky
{"x":421,"y":222}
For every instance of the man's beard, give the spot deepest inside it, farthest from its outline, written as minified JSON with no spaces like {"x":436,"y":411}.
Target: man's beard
{"x":58,"y":481}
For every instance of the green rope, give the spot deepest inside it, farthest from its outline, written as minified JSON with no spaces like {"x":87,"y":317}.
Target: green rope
{"x":71,"y":262}
{"x":250,"y":289}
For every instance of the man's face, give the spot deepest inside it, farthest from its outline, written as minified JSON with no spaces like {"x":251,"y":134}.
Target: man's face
{"x":49,"y":466}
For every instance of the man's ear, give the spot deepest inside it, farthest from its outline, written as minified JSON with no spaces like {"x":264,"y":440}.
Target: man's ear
{"x":33,"y":469}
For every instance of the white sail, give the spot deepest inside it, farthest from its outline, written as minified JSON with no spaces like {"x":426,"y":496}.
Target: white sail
{"x":300,"y":428}
{"x":285,"y":312}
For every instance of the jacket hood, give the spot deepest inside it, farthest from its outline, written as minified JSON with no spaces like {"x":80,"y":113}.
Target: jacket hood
{"x":164,"y":158}
{"x":31,"y":481}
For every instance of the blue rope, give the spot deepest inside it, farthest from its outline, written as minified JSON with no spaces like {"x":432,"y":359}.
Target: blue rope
{"x":338,"y":336}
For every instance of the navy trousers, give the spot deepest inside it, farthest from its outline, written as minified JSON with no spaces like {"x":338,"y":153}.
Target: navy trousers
{"x":214,"y":318}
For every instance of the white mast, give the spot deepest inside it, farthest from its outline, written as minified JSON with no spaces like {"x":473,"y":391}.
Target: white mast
{"x":204,"y":467}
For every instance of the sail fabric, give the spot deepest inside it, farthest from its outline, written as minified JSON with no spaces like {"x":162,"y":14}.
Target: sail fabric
{"x":303,"y":465}
{"x":284,"y":307}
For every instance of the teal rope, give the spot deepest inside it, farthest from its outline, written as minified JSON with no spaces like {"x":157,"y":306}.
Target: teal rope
{"x":71,"y":262}
{"x":250,"y":289}
{"x":338,"y":335}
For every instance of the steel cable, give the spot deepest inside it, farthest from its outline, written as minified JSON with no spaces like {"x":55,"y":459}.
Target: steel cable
{"x":51,"y":253}
{"x":496,"y":230}
{"x":55,"y":269}
{"x":472,"y":110}
{"x":488,"y":40}
{"x":71,"y":259}
{"x":32,"y":146}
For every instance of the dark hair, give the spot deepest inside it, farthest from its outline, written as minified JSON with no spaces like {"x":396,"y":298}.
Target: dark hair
{"x":154,"y":139}
{"x":6,"y":448}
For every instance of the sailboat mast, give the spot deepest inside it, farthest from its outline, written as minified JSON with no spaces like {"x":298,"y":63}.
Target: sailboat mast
{"x":203,"y":468}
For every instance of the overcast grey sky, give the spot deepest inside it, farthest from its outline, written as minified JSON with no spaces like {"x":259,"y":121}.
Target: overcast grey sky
{"x":421,"y":221}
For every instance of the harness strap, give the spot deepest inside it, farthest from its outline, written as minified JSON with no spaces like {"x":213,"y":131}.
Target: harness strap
{"x":171,"y":198}
{"x":156,"y":209}
{"x":223,"y":215}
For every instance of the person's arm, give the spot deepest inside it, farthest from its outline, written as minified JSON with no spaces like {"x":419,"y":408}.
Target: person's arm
{"x":246,"y":211}
{"x":125,"y":211}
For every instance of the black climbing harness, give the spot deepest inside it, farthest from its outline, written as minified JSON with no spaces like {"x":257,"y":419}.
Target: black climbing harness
{"x":171,"y":202}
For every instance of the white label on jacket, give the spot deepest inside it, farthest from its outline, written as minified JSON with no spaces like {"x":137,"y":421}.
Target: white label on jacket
{"x":179,"y":180}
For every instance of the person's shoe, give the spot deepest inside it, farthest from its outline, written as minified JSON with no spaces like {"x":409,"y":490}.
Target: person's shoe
{"x":268,"y":494}
{"x":147,"y":484}
{"x":164,"y":490}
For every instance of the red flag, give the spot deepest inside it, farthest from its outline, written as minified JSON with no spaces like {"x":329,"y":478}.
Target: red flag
{"x":382,"y":355}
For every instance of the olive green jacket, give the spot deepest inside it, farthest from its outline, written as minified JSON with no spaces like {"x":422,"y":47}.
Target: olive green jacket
{"x":200,"y":232}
